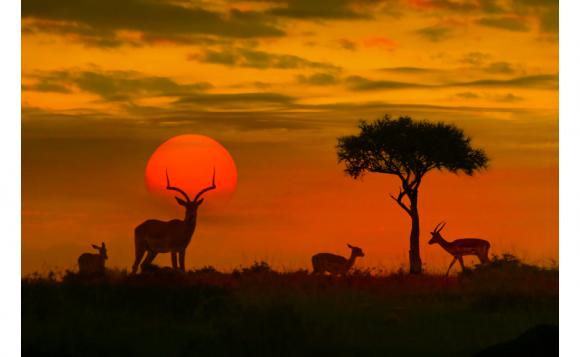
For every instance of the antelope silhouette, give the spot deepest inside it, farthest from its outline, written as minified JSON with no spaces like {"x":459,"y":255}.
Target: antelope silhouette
{"x":90,"y":263}
{"x":460,"y":247}
{"x":335,"y":264}
{"x":154,"y":236}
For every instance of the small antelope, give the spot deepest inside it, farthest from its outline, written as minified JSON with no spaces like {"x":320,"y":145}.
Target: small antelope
{"x":460,"y":247}
{"x":93,"y":263}
{"x":335,"y":264}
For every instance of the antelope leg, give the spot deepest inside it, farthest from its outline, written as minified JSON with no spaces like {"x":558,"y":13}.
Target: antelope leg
{"x":174,"y":260}
{"x":149,"y":258}
{"x":450,"y":265}
{"x":182,"y":260}
{"x":461,"y":262}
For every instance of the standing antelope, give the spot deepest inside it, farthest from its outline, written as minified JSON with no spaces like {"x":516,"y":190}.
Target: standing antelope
{"x":90,"y":264}
{"x":154,"y":236}
{"x":460,"y":247}
{"x":335,"y":264}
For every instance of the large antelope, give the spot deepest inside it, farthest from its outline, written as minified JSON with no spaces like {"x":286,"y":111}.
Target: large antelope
{"x":460,"y":247}
{"x":90,"y":264}
{"x":154,"y":236}
{"x":335,"y":264}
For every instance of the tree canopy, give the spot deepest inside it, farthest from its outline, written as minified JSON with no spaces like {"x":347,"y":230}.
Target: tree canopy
{"x":408,"y":148}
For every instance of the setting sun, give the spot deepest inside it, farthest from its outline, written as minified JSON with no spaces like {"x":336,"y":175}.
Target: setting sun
{"x":190,"y":161}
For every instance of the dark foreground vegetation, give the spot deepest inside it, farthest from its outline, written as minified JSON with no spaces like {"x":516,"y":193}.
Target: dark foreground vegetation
{"x":259,"y":312}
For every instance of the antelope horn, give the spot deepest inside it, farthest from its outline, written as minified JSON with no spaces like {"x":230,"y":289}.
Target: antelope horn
{"x":171,"y":188}
{"x":437,"y":226}
{"x":209,"y":188}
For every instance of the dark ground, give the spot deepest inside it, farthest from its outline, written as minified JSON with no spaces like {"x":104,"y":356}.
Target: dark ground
{"x":259,"y":312}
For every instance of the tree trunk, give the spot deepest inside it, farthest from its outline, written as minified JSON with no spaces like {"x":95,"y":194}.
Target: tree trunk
{"x":415,"y":265}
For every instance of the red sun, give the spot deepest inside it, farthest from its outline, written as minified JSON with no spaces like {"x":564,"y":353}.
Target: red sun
{"x":190,"y":161}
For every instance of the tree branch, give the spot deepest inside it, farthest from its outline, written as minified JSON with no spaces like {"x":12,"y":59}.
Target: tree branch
{"x":399,"y":201}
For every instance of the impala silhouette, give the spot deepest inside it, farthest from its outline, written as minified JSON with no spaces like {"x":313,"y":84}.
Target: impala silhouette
{"x":460,"y":247}
{"x":335,"y":264}
{"x":154,"y":236}
{"x":90,"y":264}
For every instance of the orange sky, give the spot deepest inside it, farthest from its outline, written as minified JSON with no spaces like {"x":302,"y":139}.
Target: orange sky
{"x":276,"y":82}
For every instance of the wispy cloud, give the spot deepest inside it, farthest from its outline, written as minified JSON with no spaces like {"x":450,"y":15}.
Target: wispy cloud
{"x":435,"y":33}
{"x":319,"y":79}
{"x":409,"y":70}
{"x":500,"y":68}
{"x":550,"y":82}
{"x":320,"y":9}
{"x":475,"y":58}
{"x":347,"y":44}
{"x":235,"y":99}
{"x":505,"y":23}
{"x":244,"y":57}
{"x":358,"y":83}
{"x":111,"y":85}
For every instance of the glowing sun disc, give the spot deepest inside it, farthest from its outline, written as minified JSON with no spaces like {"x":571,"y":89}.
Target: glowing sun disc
{"x":190,"y":160}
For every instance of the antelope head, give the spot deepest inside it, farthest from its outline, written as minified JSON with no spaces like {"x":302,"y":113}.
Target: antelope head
{"x":190,"y":205}
{"x":356,"y":251}
{"x":102,"y":250}
{"x":435,"y":235}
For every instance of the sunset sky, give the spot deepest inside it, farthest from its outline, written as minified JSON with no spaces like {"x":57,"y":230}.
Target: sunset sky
{"x":104,"y":83}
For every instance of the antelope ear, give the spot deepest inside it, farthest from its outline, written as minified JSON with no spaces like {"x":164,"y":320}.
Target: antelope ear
{"x":96,"y":246}
{"x":103,"y":244}
{"x":350,"y":246}
{"x":180,"y":201}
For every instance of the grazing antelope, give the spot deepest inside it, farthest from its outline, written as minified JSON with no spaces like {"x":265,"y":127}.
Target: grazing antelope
{"x":460,"y":247}
{"x":154,"y":236}
{"x":90,"y":264}
{"x":335,"y":264}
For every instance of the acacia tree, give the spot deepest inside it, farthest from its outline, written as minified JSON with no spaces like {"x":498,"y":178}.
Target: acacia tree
{"x":409,"y":149}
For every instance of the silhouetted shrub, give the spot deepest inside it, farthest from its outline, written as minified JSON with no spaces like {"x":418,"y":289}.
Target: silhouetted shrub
{"x":258,"y":268}
{"x":208,"y":269}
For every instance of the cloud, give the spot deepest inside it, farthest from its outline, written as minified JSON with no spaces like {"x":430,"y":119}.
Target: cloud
{"x":491,"y":6}
{"x":475,"y":58}
{"x":508,"y":15}
{"x":235,"y":99}
{"x":543,"y":81}
{"x":506,"y":23}
{"x":243,"y":57}
{"x":318,"y":79}
{"x":503,"y":98}
{"x":447,"y":5}
{"x":550,"y":82}
{"x":347,"y":44}
{"x":112,"y":85}
{"x":409,"y":70}
{"x":99,"y":22}
{"x":358,"y":83}
{"x":467,"y":95}
{"x":435,"y":33}
{"x":549,"y":19}
{"x":508,"y":98}
{"x":547,"y":11}
{"x":319,"y":10}
{"x":500,"y":68}
{"x":47,"y":85}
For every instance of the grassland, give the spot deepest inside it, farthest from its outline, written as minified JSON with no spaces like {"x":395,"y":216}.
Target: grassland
{"x":259,"y":312}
